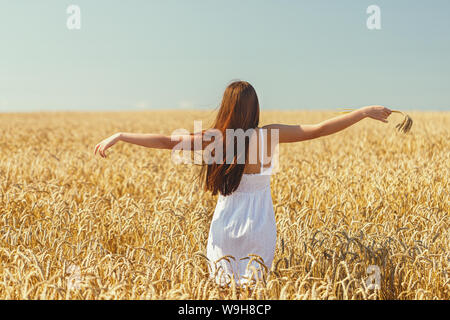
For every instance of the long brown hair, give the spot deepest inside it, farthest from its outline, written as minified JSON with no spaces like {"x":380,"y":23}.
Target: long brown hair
{"x":239,"y":110}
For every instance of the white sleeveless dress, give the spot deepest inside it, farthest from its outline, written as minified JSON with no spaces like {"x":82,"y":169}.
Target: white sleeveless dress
{"x":243,"y":224}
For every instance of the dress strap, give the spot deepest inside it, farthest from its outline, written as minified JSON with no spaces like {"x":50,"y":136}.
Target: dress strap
{"x":261,"y":148}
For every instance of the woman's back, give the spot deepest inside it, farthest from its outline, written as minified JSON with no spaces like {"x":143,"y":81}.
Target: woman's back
{"x":260,"y":149}
{"x":243,"y":224}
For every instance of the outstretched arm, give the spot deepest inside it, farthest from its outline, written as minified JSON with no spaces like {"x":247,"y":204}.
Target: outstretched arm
{"x":149,"y":140}
{"x":295,"y":133}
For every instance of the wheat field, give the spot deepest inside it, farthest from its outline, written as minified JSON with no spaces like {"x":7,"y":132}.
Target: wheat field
{"x":135,"y":225}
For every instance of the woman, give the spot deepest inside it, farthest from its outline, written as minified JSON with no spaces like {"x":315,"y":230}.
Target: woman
{"x":242,"y":234}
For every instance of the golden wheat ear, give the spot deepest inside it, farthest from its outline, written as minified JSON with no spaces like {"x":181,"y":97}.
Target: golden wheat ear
{"x":404,"y":126}
{"x":407,"y":123}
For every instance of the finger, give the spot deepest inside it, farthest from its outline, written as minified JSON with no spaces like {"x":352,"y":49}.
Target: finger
{"x":380,"y":118}
{"x":96,"y":148}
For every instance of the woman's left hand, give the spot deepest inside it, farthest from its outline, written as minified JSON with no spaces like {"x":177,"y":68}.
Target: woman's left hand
{"x":106,"y":144}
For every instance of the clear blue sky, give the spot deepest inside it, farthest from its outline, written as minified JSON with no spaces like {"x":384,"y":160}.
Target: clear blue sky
{"x":181,"y":54}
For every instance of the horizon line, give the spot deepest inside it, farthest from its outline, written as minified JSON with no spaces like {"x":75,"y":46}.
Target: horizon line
{"x":94,"y":110}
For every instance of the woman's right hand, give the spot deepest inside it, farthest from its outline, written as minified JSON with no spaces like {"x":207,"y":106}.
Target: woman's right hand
{"x":377,"y":112}
{"x":106,"y":144}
